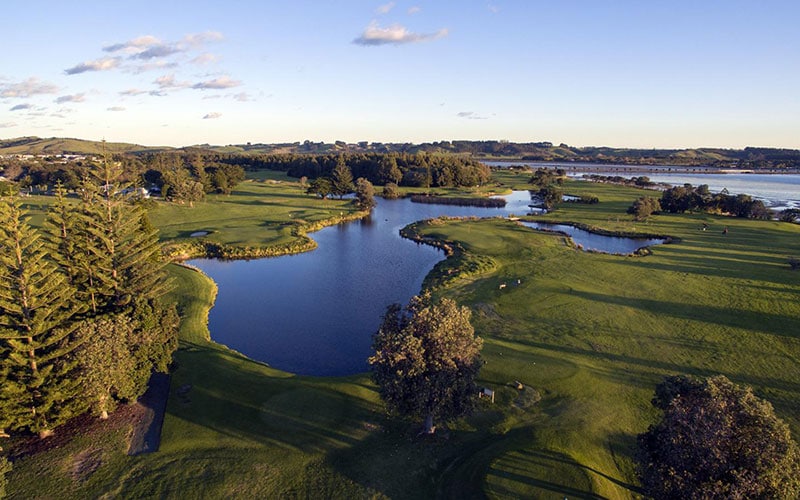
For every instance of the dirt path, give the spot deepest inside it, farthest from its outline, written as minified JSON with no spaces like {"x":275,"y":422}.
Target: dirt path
{"x":146,"y":436}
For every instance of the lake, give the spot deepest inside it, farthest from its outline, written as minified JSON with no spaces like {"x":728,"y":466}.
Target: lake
{"x":314,"y":313}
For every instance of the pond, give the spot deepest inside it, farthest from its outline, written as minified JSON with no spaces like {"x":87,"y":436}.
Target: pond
{"x":597,"y":242}
{"x":314,"y":313}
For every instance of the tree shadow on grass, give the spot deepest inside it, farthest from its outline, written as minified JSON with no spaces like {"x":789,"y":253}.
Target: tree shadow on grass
{"x":236,"y":397}
{"x":757,"y":321}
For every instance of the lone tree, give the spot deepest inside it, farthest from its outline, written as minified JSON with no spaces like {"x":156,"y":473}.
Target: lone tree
{"x":365,"y":194}
{"x":341,"y":178}
{"x":716,"y":440}
{"x":426,"y":359}
{"x":644,"y":207}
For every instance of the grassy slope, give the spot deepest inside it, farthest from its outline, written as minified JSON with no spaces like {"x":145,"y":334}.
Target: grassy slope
{"x":56,"y":145}
{"x":592,"y":333}
{"x":256,"y":213}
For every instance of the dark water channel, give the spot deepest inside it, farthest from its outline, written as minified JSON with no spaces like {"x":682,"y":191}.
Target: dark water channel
{"x":314,"y":313}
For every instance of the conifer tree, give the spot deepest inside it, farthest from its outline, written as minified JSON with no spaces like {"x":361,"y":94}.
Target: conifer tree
{"x":132,"y":280}
{"x":106,"y":362}
{"x":37,"y":310}
{"x":342,"y":178}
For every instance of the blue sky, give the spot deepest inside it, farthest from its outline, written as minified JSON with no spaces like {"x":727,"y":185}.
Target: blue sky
{"x":642,"y":73}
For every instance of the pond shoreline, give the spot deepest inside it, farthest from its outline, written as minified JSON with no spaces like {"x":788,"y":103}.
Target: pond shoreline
{"x":200,"y":248}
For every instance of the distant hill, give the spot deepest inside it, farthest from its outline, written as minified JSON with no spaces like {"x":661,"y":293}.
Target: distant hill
{"x":57,"y":145}
{"x":758,"y":158}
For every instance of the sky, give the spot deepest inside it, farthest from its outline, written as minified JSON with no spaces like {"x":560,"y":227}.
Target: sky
{"x":639,"y":73}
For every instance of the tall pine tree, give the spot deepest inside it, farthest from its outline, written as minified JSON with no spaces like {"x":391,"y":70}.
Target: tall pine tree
{"x":342,"y":178}
{"x":37,"y":310}
{"x":132,"y":279}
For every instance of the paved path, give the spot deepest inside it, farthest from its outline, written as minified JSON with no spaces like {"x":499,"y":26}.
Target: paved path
{"x":147,"y":432}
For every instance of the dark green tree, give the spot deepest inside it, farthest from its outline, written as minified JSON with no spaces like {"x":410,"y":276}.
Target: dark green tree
{"x":390,"y":191}
{"x":426,"y":360}
{"x":180,"y":187}
{"x":365,"y":194}
{"x":716,"y":440}
{"x":644,"y":207}
{"x":5,"y":467}
{"x":37,"y":313}
{"x":105,"y":362}
{"x":550,"y":196}
{"x":341,"y":178}
{"x":388,"y":171}
{"x":321,"y":186}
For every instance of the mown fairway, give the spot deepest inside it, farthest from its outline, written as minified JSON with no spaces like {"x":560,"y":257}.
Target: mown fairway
{"x":260,"y":212}
{"x":590,"y":334}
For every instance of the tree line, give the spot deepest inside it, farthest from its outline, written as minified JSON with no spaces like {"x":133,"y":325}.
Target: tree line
{"x":418,"y":170}
{"x":83,"y":316}
{"x":183,"y":177}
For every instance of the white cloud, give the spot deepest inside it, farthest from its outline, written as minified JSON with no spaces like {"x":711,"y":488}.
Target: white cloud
{"x":71,"y":98}
{"x":151,"y":66}
{"x":414,"y":10}
{"x":470,"y":115}
{"x":212,"y":116}
{"x":223,"y":82}
{"x":385,"y":8}
{"x":205,"y":58}
{"x":394,"y":34}
{"x":7,"y":125}
{"x":169,"y":82}
{"x":30,"y":87}
{"x":116,"y":108}
{"x":132,"y":92}
{"x":104,"y":64}
{"x":133,"y":46}
{"x":198,"y":39}
{"x":156,"y":51}
{"x":19,"y":107}
{"x":494,"y":9}
{"x":242,"y":97}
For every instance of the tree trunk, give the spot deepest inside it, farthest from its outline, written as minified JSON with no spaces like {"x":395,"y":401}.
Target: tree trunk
{"x":429,"y":427}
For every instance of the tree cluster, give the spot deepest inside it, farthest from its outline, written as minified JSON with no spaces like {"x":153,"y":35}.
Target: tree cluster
{"x":549,"y":192}
{"x":186,"y":178}
{"x":418,"y":170}
{"x":716,"y":440}
{"x":82,"y":318}
{"x":687,"y":198}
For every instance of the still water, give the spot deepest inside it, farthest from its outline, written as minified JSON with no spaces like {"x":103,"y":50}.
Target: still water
{"x":597,"y":242}
{"x":314,"y":313}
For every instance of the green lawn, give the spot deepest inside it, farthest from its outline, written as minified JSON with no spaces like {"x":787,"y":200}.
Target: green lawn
{"x":260,"y":212}
{"x":589,"y":334}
